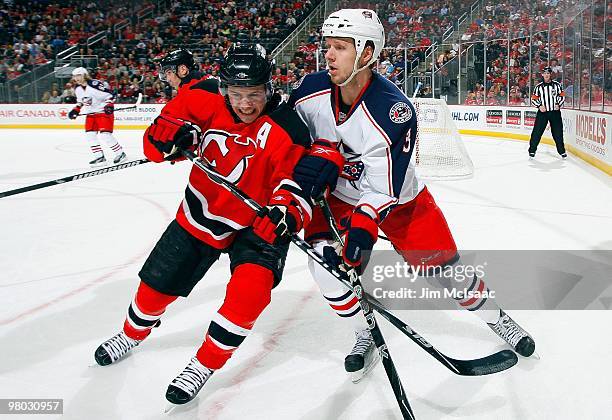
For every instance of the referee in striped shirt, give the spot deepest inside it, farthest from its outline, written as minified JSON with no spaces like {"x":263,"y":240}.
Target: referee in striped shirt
{"x":548,"y":97}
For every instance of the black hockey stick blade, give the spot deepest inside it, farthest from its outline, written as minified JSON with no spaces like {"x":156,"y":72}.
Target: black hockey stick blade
{"x":73,"y":177}
{"x":493,"y":363}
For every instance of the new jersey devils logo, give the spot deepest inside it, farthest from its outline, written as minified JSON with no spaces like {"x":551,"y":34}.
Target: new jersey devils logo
{"x":228,"y":153}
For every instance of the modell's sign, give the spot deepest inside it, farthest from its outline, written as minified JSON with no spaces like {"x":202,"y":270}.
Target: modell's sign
{"x":494,"y":116}
{"x":513,"y":118}
{"x":592,"y":128}
{"x":529,"y":118}
{"x":591,"y":133}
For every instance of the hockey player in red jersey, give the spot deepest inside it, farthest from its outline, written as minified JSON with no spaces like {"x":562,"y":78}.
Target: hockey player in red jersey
{"x":178,"y":68}
{"x":365,"y":131}
{"x":95,"y":97}
{"x":240,"y":129}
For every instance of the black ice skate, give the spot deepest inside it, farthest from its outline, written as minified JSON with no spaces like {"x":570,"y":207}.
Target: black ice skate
{"x":98,"y":161}
{"x":513,"y":334}
{"x":363,"y":356}
{"x":563,"y":155}
{"x":114,"y":349}
{"x":531,"y":155}
{"x":119,"y":158}
{"x":188,"y":383}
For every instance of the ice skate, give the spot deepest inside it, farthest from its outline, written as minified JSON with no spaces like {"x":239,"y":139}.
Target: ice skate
{"x":513,"y":334}
{"x":114,"y":349}
{"x":363,"y":356}
{"x":98,"y":161}
{"x":188,"y":383}
{"x":119,"y":158}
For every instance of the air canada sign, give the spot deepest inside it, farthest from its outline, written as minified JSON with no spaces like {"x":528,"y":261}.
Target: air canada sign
{"x":28,"y":113}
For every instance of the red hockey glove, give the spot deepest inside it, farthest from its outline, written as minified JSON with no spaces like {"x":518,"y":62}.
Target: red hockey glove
{"x":360,"y":237}
{"x":319,"y":170}
{"x":109,"y":109}
{"x":167,"y":133}
{"x":74,"y":112}
{"x":283,"y":218}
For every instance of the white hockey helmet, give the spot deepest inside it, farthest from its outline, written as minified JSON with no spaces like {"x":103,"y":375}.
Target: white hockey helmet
{"x":361,"y":25}
{"x":80,"y":71}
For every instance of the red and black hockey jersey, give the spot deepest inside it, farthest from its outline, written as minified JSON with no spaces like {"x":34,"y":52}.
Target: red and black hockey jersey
{"x":257,"y":157}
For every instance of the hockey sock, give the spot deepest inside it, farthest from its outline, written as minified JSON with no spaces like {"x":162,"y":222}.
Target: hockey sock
{"x":94,"y":144}
{"x":484,"y":307}
{"x":339,"y":297}
{"x":145,"y":311}
{"x":111,"y":141}
{"x":248,"y":293}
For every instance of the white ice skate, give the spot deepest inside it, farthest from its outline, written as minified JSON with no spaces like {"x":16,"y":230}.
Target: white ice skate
{"x":363,"y":356}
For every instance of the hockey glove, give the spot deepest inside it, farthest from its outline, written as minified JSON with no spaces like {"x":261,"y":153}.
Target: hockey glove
{"x":168,"y":133}
{"x":359,"y":239}
{"x":319,"y":170}
{"x":283,"y":218}
{"x":74,"y":112}
{"x":109,"y":109}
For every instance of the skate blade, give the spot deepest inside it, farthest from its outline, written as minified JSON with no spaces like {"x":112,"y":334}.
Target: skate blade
{"x":357,"y":376}
{"x":169,"y":408}
{"x":98,"y":165}
{"x":536,"y":355}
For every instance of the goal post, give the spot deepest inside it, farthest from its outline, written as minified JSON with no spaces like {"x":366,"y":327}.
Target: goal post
{"x":439,"y":150}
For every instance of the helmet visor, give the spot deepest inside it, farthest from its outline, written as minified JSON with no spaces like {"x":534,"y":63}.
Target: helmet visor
{"x":163,"y":70}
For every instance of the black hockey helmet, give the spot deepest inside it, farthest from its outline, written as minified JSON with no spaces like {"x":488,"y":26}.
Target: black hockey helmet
{"x":174,"y":59}
{"x":246,"y":65}
{"x":547,"y":69}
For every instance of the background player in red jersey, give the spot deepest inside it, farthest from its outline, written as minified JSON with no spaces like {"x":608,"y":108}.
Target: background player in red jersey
{"x":179,"y":69}
{"x":247,"y":137}
{"x":95,"y":97}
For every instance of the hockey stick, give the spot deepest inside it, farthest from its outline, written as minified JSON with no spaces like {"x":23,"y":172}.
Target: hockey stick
{"x":73,"y":177}
{"x":135,"y":105}
{"x":394,"y":379}
{"x":492,"y":363}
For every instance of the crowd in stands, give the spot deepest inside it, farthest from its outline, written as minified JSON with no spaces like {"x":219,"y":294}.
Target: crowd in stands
{"x":518,"y":44}
{"x":33,"y":32}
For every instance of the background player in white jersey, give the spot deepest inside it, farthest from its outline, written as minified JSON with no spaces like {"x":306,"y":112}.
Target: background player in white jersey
{"x":365,"y":131}
{"x":95,"y":97}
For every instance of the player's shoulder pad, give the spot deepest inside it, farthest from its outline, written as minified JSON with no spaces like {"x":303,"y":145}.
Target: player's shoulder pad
{"x":389,"y":107}
{"x":99,"y":85}
{"x":210,"y":85}
{"x":285,"y":117}
{"x":309,"y":84}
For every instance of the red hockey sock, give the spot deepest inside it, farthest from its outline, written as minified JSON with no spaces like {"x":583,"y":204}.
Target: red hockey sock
{"x":145,"y":311}
{"x":247,"y":295}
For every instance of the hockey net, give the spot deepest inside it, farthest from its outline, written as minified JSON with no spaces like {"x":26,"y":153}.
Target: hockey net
{"x":439,"y":152}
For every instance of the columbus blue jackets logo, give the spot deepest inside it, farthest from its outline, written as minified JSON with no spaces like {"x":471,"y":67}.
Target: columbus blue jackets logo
{"x":352,"y":170}
{"x":400,"y":113}
{"x":228,"y":153}
{"x":298,"y":83}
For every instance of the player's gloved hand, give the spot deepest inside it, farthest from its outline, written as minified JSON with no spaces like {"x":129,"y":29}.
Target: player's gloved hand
{"x":109,"y":109}
{"x":168,"y":133}
{"x":283,"y":217}
{"x":359,"y":239}
{"x":74,"y":112}
{"x":319,"y":170}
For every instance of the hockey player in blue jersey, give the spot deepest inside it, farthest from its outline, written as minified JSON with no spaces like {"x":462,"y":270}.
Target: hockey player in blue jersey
{"x":364,"y":130}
